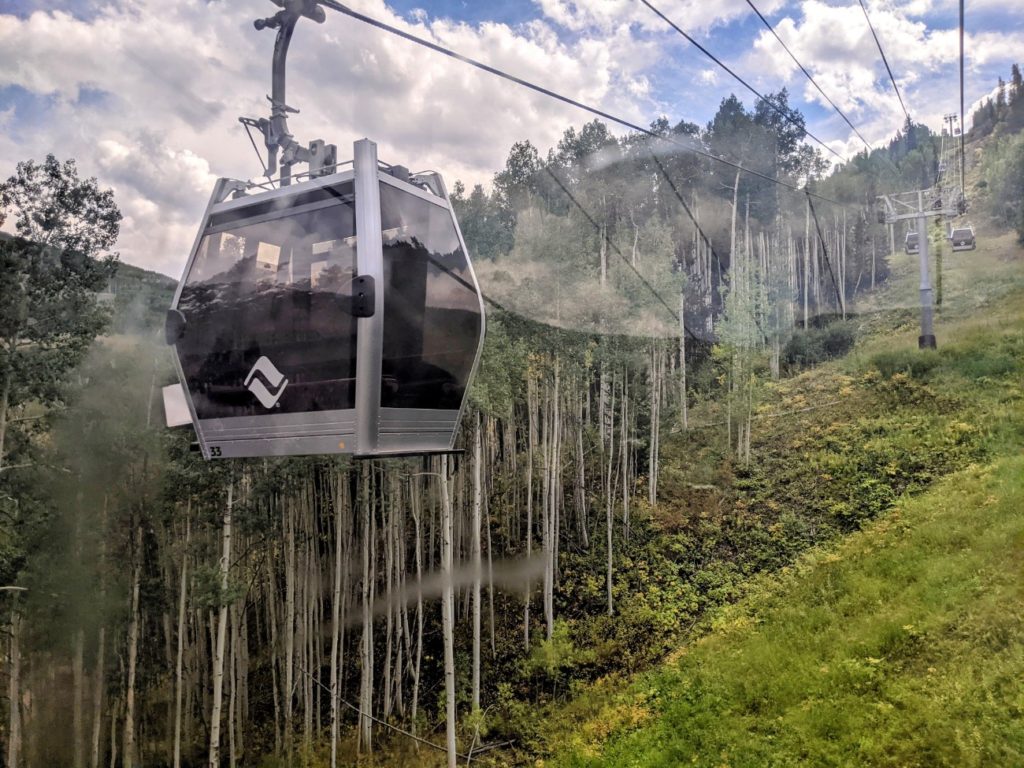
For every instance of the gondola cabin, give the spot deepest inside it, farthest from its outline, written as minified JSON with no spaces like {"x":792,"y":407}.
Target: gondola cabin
{"x":962,"y":238}
{"x":337,"y":315}
{"x":911,"y":245}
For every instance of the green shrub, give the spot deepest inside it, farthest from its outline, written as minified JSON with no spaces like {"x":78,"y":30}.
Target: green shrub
{"x":816,"y":345}
{"x":916,"y":363}
{"x":987,"y":361}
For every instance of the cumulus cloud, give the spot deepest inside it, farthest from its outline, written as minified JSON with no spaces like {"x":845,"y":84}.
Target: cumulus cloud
{"x":835,"y":44}
{"x":695,"y":16}
{"x":145,"y":94}
{"x":708,"y":76}
{"x":173,"y":78}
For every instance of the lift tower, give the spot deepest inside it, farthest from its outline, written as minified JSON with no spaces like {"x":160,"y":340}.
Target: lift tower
{"x":920,"y":206}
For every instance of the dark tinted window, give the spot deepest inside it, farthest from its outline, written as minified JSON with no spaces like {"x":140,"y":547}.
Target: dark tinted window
{"x":265,"y":303}
{"x":431,"y":307}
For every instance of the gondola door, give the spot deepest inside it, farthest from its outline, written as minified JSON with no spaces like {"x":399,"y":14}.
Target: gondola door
{"x":431,"y":323}
{"x":266,"y":343}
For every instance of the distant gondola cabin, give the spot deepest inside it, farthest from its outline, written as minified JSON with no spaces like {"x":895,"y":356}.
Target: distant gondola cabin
{"x":911,"y":245}
{"x":962,"y":238}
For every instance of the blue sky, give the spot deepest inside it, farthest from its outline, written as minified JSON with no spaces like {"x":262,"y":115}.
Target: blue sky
{"x":145,"y":94}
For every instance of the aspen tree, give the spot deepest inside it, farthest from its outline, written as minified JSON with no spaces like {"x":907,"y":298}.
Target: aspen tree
{"x":233,"y":679}
{"x":417,"y":513}
{"x":807,"y":260}
{"x":447,"y":614}
{"x":289,"y":626}
{"x":179,"y":659}
{"x":78,"y":676}
{"x":133,"y":652}
{"x":222,"y":626}
{"x":336,"y":618}
{"x":476,"y":558}
{"x":275,"y":661}
{"x":531,"y":447}
{"x":624,"y":454}
{"x":14,"y":687}
{"x":580,"y":494}
{"x":366,"y":645}
{"x":609,"y":517}
{"x":683,"y":398}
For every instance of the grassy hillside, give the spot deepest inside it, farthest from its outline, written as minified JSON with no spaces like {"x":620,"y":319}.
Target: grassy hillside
{"x":899,"y":644}
{"x":141,"y":299}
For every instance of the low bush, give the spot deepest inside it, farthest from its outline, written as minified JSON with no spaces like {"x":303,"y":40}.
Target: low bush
{"x":816,"y":345}
{"x":916,"y":363}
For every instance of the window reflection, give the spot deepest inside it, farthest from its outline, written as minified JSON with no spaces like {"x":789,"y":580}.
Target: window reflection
{"x":431,"y":307}
{"x":276,"y":289}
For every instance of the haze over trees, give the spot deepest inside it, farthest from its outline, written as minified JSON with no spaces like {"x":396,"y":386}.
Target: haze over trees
{"x":168,"y":611}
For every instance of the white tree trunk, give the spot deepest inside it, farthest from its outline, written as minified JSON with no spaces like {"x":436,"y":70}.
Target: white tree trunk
{"x":133,"y":655}
{"x":14,"y":691}
{"x":101,"y":656}
{"x":609,"y":506}
{"x":531,"y":447}
{"x":222,"y":627}
{"x":179,"y":663}
{"x":78,"y":716}
{"x":336,"y":619}
{"x":448,"y":614}
{"x":807,"y":261}
{"x":366,"y":645}
{"x":478,"y":502}
{"x":289,"y":628}
{"x":682,"y":358}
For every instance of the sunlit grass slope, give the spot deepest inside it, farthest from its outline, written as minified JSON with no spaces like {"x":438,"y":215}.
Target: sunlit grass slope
{"x":901,"y":646}
{"x":902,"y":643}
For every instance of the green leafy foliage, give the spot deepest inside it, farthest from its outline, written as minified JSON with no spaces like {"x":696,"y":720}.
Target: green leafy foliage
{"x":893,"y":648}
{"x":817,"y":345}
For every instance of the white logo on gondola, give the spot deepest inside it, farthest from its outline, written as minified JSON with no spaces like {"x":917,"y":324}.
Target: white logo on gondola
{"x":267,"y":395}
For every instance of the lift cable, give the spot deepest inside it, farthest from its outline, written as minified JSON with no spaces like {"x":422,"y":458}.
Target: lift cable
{"x":884,"y":60}
{"x":682,"y":202}
{"x":824,"y":250}
{"x":618,"y":251}
{"x":809,"y":75}
{"x":786,"y":115}
{"x":963,"y":125}
{"x":337,"y":6}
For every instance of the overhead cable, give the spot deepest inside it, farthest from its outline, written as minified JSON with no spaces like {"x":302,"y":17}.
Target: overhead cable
{"x":808,"y":75}
{"x":337,"y":6}
{"x":963,"y":125}
{"x":784,"y":113}
{"x":686,"y":208}
{"x":884,"y":60}
{"x":824,"y":250}
{"x":618,"y":251}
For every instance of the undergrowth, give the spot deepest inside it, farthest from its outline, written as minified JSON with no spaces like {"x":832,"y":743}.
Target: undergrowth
{"x":808,"y":684}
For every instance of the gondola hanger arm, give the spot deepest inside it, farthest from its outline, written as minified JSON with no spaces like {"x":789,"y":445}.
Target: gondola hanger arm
{"x":276,"y":135}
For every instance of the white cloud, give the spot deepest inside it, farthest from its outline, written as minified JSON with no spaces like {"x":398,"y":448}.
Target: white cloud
{"x":694,"y":16}
{"x":175,"y":76}
{"x":708,"y":76}
{"x":835,"y":44}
